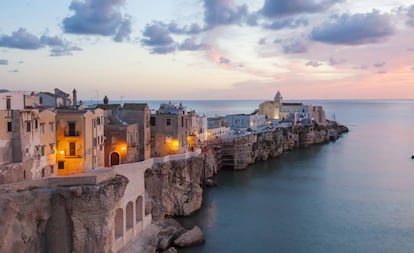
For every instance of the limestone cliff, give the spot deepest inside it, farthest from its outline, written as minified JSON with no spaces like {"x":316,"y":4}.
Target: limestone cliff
{"x":60,"y":219}
{"x":243,"y":151}
{"x":174,"y":188}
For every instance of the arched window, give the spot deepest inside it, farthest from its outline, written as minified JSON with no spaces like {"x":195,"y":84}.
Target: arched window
{"x":119,"y":223}
{"x":129,"y":215}
{"x":138,"y":206}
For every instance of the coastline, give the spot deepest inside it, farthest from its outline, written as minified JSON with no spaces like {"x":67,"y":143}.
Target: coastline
{"x":246,"y":150}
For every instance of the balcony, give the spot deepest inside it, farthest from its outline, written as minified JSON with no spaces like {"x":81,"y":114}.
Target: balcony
{"x":72,"y":133}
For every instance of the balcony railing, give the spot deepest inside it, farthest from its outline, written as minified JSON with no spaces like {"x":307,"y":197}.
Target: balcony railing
{"x":77,"y":133}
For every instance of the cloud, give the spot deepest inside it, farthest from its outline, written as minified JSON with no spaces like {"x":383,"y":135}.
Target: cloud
{"x":51,"y":41}
{"x":362,"y":66}
{"x":14,"y":71}
{"x":4,"y":62}
{"x":158,"y":37}
{"x":287,"y":23}
{"x":379,"y":64}
{"x":191,"y":45}
{"x":98,"y":17}
{"x":355,"y":29}
{"x":63,"y":50}
{"x":262,"y":41}
{"x":187,"y":29}
{"x":124,"y":31}
{"x":21,"y":39}
{"x":381,"y":72}
{"x":314,"y":64}
{"x":277,"y":8}
{"x":224,"y":60}
{"x":412,"y":68}
{"x":336,"y":61}
{"x":224,"y":12}
{"x":410,"y":15}
{"x":293,"y":46}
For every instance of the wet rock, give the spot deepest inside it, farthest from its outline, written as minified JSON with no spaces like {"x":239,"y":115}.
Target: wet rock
{"x":192,"y":237}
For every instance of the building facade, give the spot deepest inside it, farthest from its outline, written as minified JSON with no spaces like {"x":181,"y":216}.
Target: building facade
{"x":80,"y":136}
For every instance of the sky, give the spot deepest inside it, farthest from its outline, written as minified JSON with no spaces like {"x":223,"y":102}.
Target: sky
{"x":209,"y":49}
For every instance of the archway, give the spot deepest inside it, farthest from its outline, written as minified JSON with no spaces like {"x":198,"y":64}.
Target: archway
{"x":115,"y":159}
{"x":129,"y":216}
{"x":138,"y":206}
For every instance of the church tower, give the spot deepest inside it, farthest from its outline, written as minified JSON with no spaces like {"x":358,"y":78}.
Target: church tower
{"x":278,"y":98}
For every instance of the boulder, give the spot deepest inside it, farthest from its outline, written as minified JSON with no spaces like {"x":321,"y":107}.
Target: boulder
{"x":192,"y":237}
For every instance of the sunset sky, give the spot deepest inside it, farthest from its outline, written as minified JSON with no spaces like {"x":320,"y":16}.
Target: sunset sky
{"x":209,"y":49}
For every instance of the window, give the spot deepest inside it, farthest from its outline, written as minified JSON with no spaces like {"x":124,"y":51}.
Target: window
{"x":42,"y":128}
{"x":8,"y":103}
{"x":52,"y":150}
{"x":61,"y":165}
{"x":152,"y":121}
{"x":72,"y":148}
{"x":43,"y":173}
{"x":36,"y":123}
{"x":9,"y":126}
{"x":182,"y":121}
{"x":168,"y":122}
{"x":98,"y":121}
{"x":72,"y":129}
{"x":51,"y":127}
{"x":113,"y":140}
{"x":42,"y":150}
{"x":28,"y":126}
{"x":51,"y":169}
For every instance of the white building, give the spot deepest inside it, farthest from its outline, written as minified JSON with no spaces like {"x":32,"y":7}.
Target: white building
{"x":246,"y":121}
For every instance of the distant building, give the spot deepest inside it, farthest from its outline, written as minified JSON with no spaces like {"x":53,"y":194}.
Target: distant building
{"x":297,"y":113}
{"x":245,"y":121}
{"x":319,"y":115}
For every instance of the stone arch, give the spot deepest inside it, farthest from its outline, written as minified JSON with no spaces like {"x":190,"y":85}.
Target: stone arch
{"x":129,"y":215}
{"x":115,"y":158}
{"x":138,"y":210}
{"x":119,"y":223}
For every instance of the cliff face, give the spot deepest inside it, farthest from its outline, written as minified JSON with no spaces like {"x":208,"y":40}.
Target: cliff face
{"x":174,"y":188}
{"x":60,"y":219}
{"x":242,"y":152}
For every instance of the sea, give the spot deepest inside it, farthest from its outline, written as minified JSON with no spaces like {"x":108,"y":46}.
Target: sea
{"x":352,"y":195}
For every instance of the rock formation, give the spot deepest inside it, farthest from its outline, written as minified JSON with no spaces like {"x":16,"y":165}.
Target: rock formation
{"x":60,"y":219}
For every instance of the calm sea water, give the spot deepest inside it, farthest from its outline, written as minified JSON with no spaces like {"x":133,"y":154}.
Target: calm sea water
{"x":354,"y":195}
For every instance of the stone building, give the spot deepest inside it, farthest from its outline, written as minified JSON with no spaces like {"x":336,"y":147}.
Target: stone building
{"x":121,"y":144}
{"x":80,"y":136}
{"x":171,"y":128}
{"x":26,"y":147}
{"x":296,"y":112}
{"x":139,"y":113}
